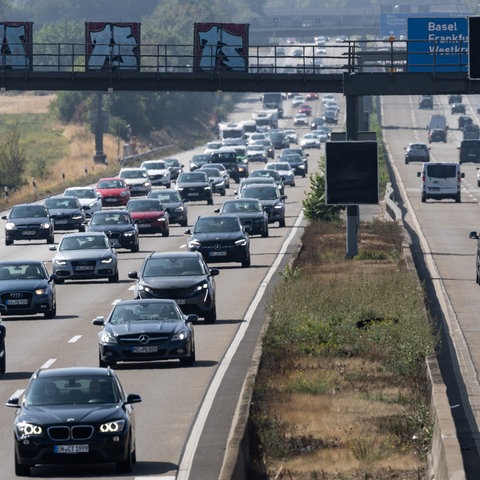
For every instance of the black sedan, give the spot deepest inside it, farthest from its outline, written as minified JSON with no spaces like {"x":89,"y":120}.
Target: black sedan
{"x":26,"y":288}
{"x":74,"y":415}
{"x":220,"y":238}
{"x":298,"y":164}
{"x":3,"y":352}
{"x":28,"y":222}
{"x":146,"y":330}
{"x":181,"y":276}
{"x":119,"y":227}
{"x":67,"y":212}
{"x":271,"y":200}
{"x":173,"y":202}
{"x":175,"y":167}
{"x":251,"y":214}
{"x":194,"y":186}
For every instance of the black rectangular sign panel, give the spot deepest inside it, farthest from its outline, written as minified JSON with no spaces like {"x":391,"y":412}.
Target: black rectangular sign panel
{"x":474,"y":47}
{"x":351,"y":173}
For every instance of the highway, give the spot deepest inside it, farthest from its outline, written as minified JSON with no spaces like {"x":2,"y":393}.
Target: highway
{"x":439,"y":232}
{"x":172,"y":405}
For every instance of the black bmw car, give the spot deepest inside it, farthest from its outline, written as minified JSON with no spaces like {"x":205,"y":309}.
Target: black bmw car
{"x":146,"y":330}
{"x":73,"y":416}
{"x":67,"y":212}
{"x":220,"y":238}
{"x":250,"y":212}
{"x":181,"y":276}
{"x":173,"y":202}
{"x":26,"y":288}
{"x":194,"y":186}
{"x":119,"y":227}
{"x":270,"y":198}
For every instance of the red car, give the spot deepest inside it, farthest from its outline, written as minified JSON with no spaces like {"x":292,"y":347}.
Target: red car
{"x":306,"y":109}
{"x":311,"y":96}
{"x":150,"y":215}
{"x":114,"y":191}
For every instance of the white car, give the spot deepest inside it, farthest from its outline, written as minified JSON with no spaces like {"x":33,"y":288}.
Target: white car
{"x":257,"y":153}
{"x":284,"y":170}
{"x":158,"y":172}
{"x":137,"y":180}
{"x":297,"y":100}
{"x":87,"y":196}
{"x":300,"y":119}
{"x":254,"y":137}
{"x":291,"y":135}
{"x":310,"y":140}
{"x":212,"y":146}
{"x":328,"y":97}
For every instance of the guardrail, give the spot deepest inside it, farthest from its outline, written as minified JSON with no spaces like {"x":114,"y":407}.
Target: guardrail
{"x":348,"y":57}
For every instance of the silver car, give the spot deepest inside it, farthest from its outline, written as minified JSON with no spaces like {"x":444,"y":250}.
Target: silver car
{"x":88,"y":197}
{"x":85,"y":255}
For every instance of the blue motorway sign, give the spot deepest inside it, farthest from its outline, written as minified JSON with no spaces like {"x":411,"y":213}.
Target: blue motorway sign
{"x":437,"y":44}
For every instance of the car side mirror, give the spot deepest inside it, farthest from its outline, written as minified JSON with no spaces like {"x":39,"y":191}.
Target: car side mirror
{"x":419,"y":174}
{"x":133,"y":398}
{"x":217,"y":210}
{"x":100,"y":321}
{"x":53,"y":248}
{"x":13,"y":402}
{"x":473,"y":235}
{"x":133,"y":274}
{"x":214,"y":272}
{"x":187,"y":232}
{"x":192,"y":318}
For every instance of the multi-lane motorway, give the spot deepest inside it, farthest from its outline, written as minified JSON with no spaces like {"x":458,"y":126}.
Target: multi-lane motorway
{"x":179,"y":404}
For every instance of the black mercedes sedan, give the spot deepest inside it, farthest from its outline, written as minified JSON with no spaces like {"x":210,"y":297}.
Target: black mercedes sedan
{"x":220,"y":238}
{"x":146,"y":330}
{"x":77,"y":415}
{"x":250,"y":212}
{"x":119,"y":227}
{"x":26,"y":288}
{"x":181,"y":276}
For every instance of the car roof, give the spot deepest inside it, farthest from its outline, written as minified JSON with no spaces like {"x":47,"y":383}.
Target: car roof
{"x":21,"y":262}
{"x":84,"y":234}
{"x":73,"y":371}
{"x":174,"y":254}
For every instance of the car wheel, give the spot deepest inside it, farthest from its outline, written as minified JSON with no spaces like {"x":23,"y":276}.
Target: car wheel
{"x":59,"y":281}
{"x":103,"y":363}
{"x":281,"y":223}
{"x":188,"y":361}
{"x":424,"y":198}
{"x":8,"y":242}
{"x":166,"y":233}
{"x":265,"y":232}
{"x":246,"y":263}
{"x":222,"y":193}
{"x":3,"y":360}
{"x":51,"y":239}
{"x":51,"y":314}
{"x":458,"y":198}
{"x":210,"y":201}
{"x":184,"y":223}
{"x":126,"y":466}
{"x":113,"y":278}
{"x":81,"y":228}
{"x":211,"y":317}
{"x":21,"y":470}
{"x":135,"y":248}
{"x":406,"y":162}
{"x":169,"y":185}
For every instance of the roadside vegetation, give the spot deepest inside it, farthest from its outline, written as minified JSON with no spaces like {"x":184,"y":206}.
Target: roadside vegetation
{"x":342,"y":392}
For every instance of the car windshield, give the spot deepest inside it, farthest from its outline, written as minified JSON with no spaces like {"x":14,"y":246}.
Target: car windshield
{"x":81,"y":193}
{"x":172,"y":267}
{"x":212,"y":172}
{"x":154,"y":165}
{"x":24,"y":271}
{"x":164,"y":196}
{"x":111,"y":184}
{"x":84,"y":242}
{"x":144,"y":205}
{"x":241,"y":207}
{"x":134,"y":174}
{"x":145,"y":312}
{"x":28,"y":211}
{"x":261,"y":193}
{"x":195,"y":177}
{"x":68,"y":390}
{"x":109,"y":218}
{"x":217,"y":225}
{"x":172,"y":162}
{"x":60,"y":203}
{"x":278,"y":166}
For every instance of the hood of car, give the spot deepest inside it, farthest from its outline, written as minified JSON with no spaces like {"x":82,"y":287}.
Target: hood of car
{"x":59,"y":414}
{"x":147,"y":327}
{"x":63,"y":211}
{"x":269,"y":203}
{"x":111,"y":192}
{"x":249,"y":215}
{"x":172,"y":282}
{"x":192,"y":184}
{"x":29,"y":220}
{"x":111,"y":228}
{"x":152,"y":214}
{"x":135,"y":181}
{"x":84,"y":254}
{"x":13,"y":285}
{"x":216,"y":236}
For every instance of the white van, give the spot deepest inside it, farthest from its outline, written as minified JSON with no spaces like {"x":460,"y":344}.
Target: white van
{"x":441,"y":180}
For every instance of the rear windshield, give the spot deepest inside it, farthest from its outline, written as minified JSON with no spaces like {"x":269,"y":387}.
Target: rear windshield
{"x":442,"y":171}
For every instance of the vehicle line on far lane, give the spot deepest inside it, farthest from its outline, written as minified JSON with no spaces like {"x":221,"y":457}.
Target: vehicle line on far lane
{"x":197,"y":428}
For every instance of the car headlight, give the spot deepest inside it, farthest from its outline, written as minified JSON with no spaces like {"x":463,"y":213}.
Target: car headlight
{"x":241,"y":242}
{"x":161,"y":219}
{"x":106,"y":337}
{"x":41,"y":291}
{"x":26,"y":429}
{"x":77,"y":217}
{"x":45,"y":225}
{"x":181,"y":335}
{"x":112,"y":427}
{"x":179,"y":209}
{"x":178,"y":188}
{"x":144,"y":288}
{"x":278,"y":207}
{"x":194,"y":244}
{"x":60,"y":261}
{"x":200,"y":287}
{"x":129,"y":233}
{"x":106,"y":260}
{"x":146,"y":184}
{"x":207,"y":188}
{"x":10,"y":226}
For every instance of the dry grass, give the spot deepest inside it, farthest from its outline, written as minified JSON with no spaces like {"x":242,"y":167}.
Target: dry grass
{"x":28,"y":102}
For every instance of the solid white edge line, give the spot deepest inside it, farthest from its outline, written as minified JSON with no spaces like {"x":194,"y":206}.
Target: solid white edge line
{"x":196,"y":431}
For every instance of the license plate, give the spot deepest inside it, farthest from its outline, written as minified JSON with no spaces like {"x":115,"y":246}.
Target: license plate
{"x":60,"y":222}
{"x":111,"y":200}
{"x":83,"y":268}
{"x":71,"y":449}
{"x":146,"y":225}
{"x":150,"y":349}
{"x":217,"y":254}
{"x":20,"y":301}
{"x":28,"y":232}
{"x":194,"y":194}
